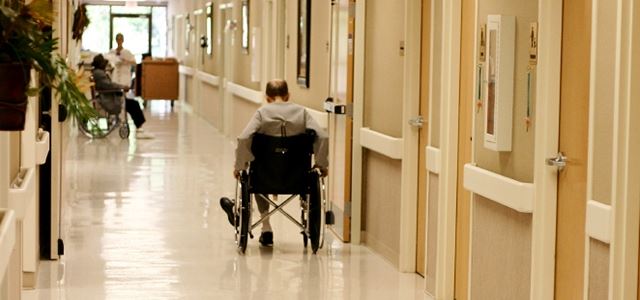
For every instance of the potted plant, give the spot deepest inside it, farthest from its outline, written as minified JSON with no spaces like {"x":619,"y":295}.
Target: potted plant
{"x":26,"y":43}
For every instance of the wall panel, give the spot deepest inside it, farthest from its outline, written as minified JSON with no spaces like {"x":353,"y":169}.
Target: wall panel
{"x":598,"y":270}
{"x":381,"y":180}
{"x":501,"y":252}
{"x":384,"y":67}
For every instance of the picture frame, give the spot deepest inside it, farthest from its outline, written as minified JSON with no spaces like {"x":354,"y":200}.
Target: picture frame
{"x":244,"y":41}
{"x":304,"y":43}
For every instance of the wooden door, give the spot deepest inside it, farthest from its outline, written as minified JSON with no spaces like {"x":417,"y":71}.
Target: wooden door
{"x":465,"y":111}
{"x":341,"y":125}
{"x":574,"y":127}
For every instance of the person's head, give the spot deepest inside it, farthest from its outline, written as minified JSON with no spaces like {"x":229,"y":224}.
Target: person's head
{"x":99,"y":62}
{"x":119,"y":39}
{"x":277,"y":88}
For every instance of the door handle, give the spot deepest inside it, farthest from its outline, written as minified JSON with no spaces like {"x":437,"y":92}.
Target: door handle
{"x":416,"y":122}
{"x":560,"y":161}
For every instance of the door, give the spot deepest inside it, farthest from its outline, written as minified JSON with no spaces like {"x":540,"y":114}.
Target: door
{"x":340,"y":124}
{"x":136,"y":30}
{"x":574,"y":125}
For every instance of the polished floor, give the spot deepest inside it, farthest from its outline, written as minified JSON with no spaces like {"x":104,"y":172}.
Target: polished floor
{"x":141,"y":221}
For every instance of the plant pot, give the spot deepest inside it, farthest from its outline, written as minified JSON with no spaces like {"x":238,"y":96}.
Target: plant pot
{"x":14,"y":80}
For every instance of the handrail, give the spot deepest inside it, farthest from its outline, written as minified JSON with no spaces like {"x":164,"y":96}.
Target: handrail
{"x":498,"y":188}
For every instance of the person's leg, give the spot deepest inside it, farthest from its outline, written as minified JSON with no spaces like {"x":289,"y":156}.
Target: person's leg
{"x":134,"y":110}
{"x":263,"y":208}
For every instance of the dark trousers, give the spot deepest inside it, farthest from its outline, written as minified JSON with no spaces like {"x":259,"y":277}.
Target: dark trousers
{"x":134,"y":110}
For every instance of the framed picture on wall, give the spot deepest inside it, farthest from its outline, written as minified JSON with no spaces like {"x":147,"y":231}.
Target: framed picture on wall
{"x":245,"y":26}
{"x":304,"y":30}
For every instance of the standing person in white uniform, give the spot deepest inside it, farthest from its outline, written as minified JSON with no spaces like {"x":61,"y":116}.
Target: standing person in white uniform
{"x":122,"y":75}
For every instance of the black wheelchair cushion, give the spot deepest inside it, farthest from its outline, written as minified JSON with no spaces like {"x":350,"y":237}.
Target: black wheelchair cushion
{"x":281,"y":164}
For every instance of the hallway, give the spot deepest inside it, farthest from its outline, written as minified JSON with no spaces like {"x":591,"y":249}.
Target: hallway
{"x":142,"y":221}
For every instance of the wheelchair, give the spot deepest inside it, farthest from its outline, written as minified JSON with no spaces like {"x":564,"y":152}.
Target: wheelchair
{"x":112,"y":115}
{"x":282,"y":166}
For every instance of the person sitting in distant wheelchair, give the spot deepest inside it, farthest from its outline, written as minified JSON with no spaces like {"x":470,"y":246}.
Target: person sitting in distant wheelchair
{"x":103,"y":82}
{"x":269,"y":120}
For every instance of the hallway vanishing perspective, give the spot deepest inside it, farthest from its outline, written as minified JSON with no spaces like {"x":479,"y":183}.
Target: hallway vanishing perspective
{"x":142,"y":221}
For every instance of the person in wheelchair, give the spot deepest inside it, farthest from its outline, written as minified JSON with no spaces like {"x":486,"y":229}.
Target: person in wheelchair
{"x":103,"y":82}
{"x":278,"y":117}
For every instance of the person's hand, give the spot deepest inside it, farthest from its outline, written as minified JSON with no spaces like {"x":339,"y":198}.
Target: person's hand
{"x":236,"y":174}
{"x":323,"y":171}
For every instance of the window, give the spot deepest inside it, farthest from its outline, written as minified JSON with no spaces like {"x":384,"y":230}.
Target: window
{"x":245,"y":26}
{"x":209,"y":28}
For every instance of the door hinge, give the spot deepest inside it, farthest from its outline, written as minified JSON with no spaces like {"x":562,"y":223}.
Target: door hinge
{"x":347,"y":209}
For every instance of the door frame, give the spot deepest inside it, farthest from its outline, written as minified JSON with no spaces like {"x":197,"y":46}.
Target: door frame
{"x":546,"y":145}
{"x":623,"y":264}
{"x":409,"y":140}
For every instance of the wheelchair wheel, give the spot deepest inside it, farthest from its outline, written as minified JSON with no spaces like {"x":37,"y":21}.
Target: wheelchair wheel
{"x":244,"y":213}
{"x":124,"y":131}
{"x":92,"y":128}
{"x":303,"y":219}
{"x":315,"y":212}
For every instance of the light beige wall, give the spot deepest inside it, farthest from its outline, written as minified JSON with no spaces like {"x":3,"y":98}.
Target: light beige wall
{"x":501,"y":253}
{"x":243,"y":59}
{"x":383,"y":80}
{"x":242,"y":112}
{"x":603,"y":94}
{"x":210,"y":104}
{"x":598,"y":270}
{"x":381,"y":207}
{"x":314,"y":96}
{"x":518,"y":163}
{"x":189,"y":90}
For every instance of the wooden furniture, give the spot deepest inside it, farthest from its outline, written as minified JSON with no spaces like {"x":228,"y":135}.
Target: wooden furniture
{"x":159,"y":79}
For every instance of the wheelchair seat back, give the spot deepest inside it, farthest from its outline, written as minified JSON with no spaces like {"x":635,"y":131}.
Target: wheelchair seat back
{"x":282,"y":164}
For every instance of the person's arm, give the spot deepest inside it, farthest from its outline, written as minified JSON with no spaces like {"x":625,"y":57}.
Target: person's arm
{"x":243,"y":150}
{"x":127,"y":57}
{"x":102,"y":82}
{"x":320,"y":145}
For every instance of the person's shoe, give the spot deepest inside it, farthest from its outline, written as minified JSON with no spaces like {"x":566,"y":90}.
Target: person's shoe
{"x":266,"y":239}
{"x":141,"y":135}
{"x":227,"y":205}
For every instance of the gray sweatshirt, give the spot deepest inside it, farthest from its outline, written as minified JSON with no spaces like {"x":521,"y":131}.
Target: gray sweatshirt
{"x":268,"y":120}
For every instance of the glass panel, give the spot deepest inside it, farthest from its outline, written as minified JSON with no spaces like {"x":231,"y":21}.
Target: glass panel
{"x":209,"y":28}
{"x":96,"y":36}
{"x":136,"y":34}
{"x":491,"y":96}
{"x":245,"y":26}
{"x":159,"y":32}
{"x":137,"y":10}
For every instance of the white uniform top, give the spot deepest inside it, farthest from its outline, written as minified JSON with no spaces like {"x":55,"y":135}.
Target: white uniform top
{"x":122,"y":69}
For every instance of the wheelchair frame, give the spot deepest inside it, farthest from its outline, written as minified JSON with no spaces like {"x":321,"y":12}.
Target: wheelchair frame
{"x":91,"y":128}
{"x":313,"y":223}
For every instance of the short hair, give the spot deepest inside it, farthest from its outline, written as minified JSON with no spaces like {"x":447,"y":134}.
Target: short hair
{"x":277,"y":88}
{"x":99,"y":62}
{"x":119,"y":35}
